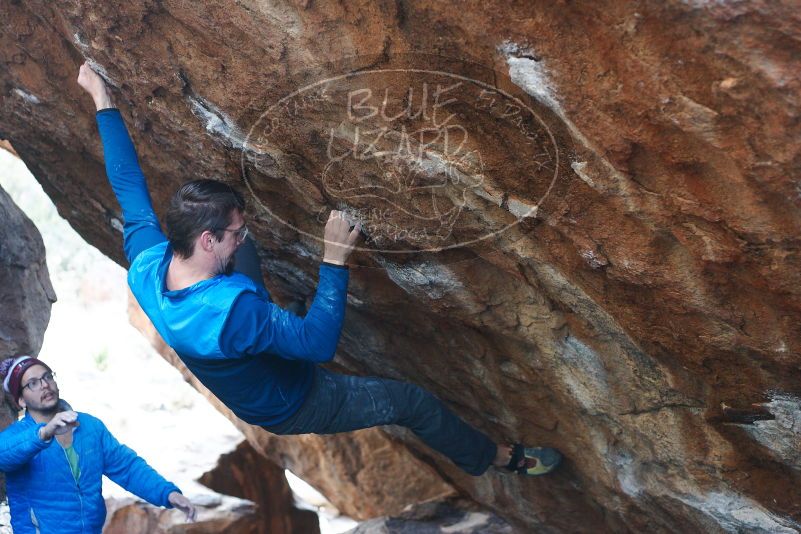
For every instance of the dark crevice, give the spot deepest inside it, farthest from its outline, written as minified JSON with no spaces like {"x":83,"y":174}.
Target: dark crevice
{"x":743,"y":416}
{"x":660,"y":407}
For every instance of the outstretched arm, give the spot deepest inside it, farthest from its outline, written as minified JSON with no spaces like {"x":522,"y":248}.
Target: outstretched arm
{"x":19,"y":444}
{"x":141,"y":229}
{"x":122,"y":465}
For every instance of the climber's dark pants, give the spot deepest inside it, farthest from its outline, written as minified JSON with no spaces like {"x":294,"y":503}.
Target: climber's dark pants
{"x":341,"y":403}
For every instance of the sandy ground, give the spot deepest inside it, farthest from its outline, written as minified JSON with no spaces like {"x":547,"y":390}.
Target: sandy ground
{"x":106,"y":368}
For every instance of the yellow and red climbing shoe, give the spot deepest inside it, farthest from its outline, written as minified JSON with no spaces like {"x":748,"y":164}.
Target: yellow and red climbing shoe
{"x":538,"y":460}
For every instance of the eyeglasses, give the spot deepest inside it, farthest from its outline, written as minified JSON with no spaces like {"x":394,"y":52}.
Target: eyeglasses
{"x":35,"y":384}
{"x":239,"y":233}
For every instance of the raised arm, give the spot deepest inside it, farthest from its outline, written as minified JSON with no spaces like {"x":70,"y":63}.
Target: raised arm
{"x":141,"y":229}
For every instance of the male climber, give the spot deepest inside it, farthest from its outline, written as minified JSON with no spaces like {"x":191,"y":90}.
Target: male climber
{"x":260,"y":360}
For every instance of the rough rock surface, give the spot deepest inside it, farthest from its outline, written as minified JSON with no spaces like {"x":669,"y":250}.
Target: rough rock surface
{"x":25,"y":292}
{"x":351,"y":469}
{"x":220,"y":515}
{"x":247,"y":474}
{"x":622,"y":179}
{"x":5,"y":145}
{"x":438,"y":517}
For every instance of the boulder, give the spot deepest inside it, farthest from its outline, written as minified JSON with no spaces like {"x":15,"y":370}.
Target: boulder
{"x":581,"y":218}
{"x":218,"y":515}
{"x":25,"y":293}
{"x":246,"y":474}
{"x":437,"y":517}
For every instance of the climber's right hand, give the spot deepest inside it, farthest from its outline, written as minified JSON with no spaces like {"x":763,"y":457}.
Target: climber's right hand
{"x":339,"y":238}
{"x":93,"y":84}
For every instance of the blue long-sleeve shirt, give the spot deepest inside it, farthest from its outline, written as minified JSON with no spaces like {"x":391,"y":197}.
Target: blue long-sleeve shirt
{"x":254,"y":356}
{"x":141,"y":228}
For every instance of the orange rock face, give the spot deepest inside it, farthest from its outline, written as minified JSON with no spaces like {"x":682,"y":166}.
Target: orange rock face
{"x":587,"y":236}
{"x":228,"y":516}
{"x":5,"y":145}
{"x":247,"y":474}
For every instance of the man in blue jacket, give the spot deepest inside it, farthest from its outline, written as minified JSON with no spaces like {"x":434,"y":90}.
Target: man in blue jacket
{"x":54,"y":459}
{"x":260,"y":360}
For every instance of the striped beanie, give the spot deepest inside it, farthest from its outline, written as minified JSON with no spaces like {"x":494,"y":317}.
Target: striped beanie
{"x":12,"y":370}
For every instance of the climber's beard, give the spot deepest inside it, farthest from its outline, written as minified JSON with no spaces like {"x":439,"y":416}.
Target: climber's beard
{"x":229,"y":265}
{"x":226,"y":265}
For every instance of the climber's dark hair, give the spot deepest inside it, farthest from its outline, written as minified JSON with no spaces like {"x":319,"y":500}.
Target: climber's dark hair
{"x":198,"y":206}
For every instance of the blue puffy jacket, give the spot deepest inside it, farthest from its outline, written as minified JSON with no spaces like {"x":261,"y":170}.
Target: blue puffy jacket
{"x":42,"y":493}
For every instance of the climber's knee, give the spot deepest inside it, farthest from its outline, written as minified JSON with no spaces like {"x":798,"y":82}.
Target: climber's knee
{"x":413,"y":403}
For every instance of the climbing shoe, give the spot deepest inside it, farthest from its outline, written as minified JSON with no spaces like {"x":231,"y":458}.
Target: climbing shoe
{"x":539,"y":460}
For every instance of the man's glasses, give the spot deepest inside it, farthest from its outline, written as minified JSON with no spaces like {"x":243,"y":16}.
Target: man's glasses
{"x":35,"y":384}
{"x":239,"y":233}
